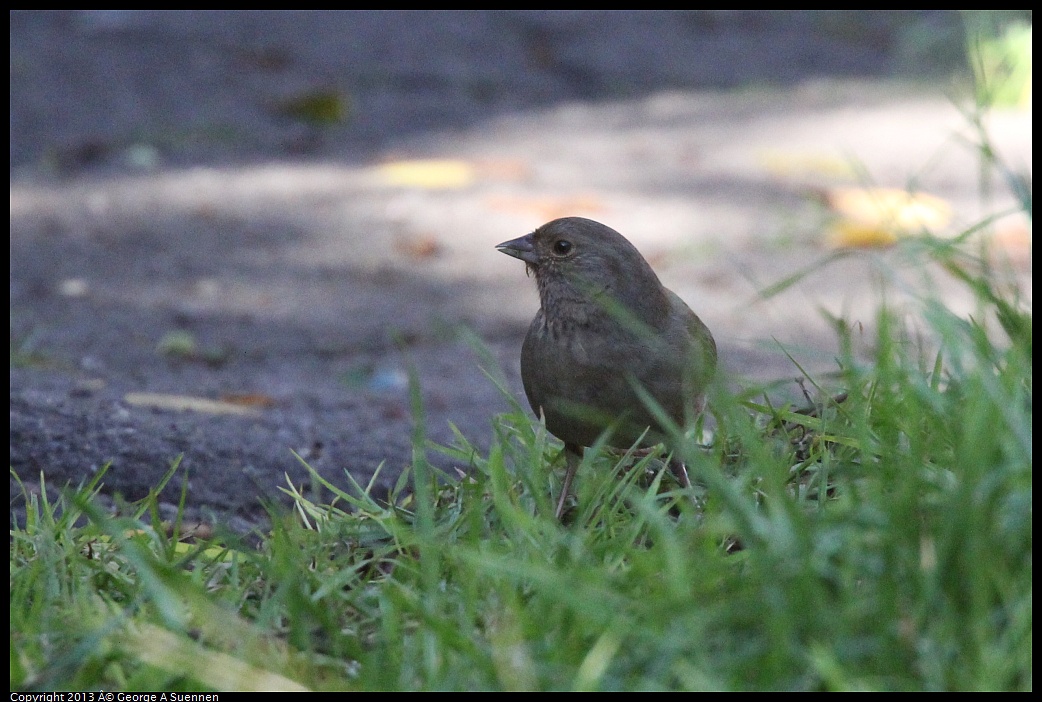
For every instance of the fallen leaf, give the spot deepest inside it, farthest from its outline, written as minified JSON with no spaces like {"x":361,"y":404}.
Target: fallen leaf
{"x":881,"y":216}
{"x":846,"y":233}
{"x":178,"y":343}
{"x":503,"y":168}
{"x":250,"y":399}
{"x":186,"y":403}
{"x":321,"y":108}
{"x":784,"y":164}
{"x":182,"y":345}
{"x":434,"y":174}
{"x":418,"y":247}
{"x":189,"y":530}
{"x":1012,"y":242}
{"x":547,"y":208}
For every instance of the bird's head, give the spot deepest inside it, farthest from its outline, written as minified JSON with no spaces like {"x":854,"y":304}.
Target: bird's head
{"x":580,"y":261}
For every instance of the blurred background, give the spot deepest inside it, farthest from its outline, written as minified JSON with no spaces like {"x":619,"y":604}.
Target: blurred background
{"x":233,"y":233}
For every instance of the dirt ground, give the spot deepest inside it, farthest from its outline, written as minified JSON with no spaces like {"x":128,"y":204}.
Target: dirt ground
{"x":284,"y":212}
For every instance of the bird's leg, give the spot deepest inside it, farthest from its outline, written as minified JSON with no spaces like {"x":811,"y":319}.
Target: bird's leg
{"x":572,"y":456}
{"x":677,"y":467}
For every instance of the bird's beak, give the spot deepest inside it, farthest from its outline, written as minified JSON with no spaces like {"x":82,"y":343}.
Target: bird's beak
{"x":522,"y":248}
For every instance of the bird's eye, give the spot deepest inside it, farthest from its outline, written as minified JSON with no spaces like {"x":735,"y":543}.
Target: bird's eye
{"x":562,"y":247}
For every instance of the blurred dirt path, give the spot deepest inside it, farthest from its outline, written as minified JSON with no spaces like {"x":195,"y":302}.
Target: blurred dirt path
{"x":286,"y":211}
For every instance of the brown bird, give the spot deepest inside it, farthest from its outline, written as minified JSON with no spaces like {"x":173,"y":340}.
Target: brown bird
{"x":605,"y":327}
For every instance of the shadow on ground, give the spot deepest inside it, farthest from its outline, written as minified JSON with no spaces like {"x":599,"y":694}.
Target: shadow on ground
{"x":197,"y":209}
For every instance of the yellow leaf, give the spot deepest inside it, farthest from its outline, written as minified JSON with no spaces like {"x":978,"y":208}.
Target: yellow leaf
{"x":186,"y":403}
{"x":880,"y":216}
{"x":786,"y":164}
{"x":428,"y":173}
{"x":846,"y":233}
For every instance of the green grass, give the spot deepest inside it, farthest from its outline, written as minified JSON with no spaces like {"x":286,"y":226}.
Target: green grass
{"x":884,"y":544}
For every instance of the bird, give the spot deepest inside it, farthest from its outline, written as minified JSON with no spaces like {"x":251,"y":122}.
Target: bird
{"x":606,"y":333}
